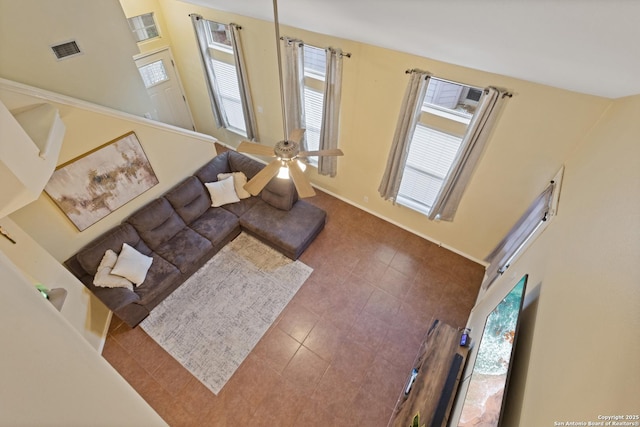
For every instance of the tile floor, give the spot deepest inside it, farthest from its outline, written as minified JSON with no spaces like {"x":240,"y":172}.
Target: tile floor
{"x":340,"y":352}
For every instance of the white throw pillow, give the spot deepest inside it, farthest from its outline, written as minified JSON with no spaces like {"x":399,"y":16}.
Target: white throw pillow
{"x":132,"y":265}
{"x":104,"y":278}
{"x":222,"y":192}
{"x":239,"y":180}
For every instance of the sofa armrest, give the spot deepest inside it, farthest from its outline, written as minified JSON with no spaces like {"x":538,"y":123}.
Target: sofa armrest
{"x":115,"y":298}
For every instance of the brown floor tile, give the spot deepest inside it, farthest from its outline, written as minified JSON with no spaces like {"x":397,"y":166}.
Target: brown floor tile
{"x":339,"y":353}
{"x":324,"y":339}
{"x":297,"y":321}
{"x":395,"y":282}
{"x":171,"y":376}
{"x":305,"y":370}
{"x":256,"y":372}
{"x":277,"y":348}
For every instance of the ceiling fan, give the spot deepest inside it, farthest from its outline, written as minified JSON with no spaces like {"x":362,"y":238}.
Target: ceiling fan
{"x":286,"y":152}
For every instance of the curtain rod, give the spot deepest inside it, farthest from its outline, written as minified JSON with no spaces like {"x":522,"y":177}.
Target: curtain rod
{"x":199,"y":17}
{"x":347,"y":54}
{"x":416,"y":70}
{"x":504,"y":92}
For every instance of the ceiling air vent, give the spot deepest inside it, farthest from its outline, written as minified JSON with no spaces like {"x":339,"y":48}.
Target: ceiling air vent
{"x":65,"y":50}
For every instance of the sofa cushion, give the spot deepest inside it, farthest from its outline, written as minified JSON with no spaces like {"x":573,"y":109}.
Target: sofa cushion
{"x":90,"y":256}
{"x":280,"y":193}
{"x":161,"y":276}
{"x":243,"y":206}
{"x":156,"y":222}
{"x":291,"y":232}
{"x":216,"y":224}
{"x":185,"y":249}
{"x":240,"y":163}
{"x":189,"y":198}
{"x":210,"y":170}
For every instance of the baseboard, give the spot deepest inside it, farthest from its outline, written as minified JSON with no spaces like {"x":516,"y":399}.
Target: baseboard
{"x":225,"y":146}
{"x":397,"y":224}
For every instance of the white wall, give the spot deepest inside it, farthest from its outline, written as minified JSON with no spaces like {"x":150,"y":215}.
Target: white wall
{"x":82,"y":310}
{"x":104,"y":74}
{"x":50,"y":375}
{"x":577,"y":354}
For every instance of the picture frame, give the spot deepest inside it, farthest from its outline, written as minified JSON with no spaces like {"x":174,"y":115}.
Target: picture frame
{"x":95,"y":184}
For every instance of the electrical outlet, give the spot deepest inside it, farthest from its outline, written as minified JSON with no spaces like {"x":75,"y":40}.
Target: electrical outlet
{"x":366,"y":199}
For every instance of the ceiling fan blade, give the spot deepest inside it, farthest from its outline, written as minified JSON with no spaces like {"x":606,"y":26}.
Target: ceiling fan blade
{"x":253,"y":148}
{"x":296,"y":135}
{"x":300,"y":180}
{"x":330,"y":152}
{"x":262,"y":178}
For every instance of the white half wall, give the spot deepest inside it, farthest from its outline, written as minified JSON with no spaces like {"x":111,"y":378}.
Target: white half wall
{"x":50,"y":375}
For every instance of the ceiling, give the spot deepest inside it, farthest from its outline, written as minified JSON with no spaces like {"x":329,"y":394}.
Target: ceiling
{"x":587,"y":46}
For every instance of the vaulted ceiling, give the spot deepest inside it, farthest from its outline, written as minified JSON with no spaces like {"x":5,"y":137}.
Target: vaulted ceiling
{"x":587,"y":46}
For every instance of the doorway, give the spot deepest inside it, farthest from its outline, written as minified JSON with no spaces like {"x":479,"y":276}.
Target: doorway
{"x":162,"y":81}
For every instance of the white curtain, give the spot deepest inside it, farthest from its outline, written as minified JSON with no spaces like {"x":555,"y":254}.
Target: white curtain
{"x":331,"y":111}
{"x":293,"y":83}
{"x":199,"y":27}
{"x":407,"y":120}
{"x":501,"y":255}
{"x":473,"y":144}
{"x":243,"y":83}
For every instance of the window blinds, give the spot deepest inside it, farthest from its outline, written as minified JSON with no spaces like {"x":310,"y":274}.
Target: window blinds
{"x":430,"y":156}
{"x":502,"y":255}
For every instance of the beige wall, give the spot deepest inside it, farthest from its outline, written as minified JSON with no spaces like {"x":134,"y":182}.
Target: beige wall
{"x":173,"y":154}
{"x":577,"y":355}
{"x":104,"y":74}
{"x":539,"y":127}
{"x":574,"y":359}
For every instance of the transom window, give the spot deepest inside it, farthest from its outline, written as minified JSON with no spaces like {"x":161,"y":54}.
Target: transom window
{"x":445,"y":115}
{"x":315,"y":62}
{"x":144,"y":27}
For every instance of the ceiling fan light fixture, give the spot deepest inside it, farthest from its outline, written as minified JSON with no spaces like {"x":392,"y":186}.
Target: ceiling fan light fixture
{"x":283,"y":173}
{"x":286,"y":163}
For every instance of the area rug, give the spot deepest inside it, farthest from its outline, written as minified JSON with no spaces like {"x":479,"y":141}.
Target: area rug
{"x":213,"y":320}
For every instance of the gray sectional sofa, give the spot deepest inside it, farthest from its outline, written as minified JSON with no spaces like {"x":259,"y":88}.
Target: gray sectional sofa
{"x":181,"y":231}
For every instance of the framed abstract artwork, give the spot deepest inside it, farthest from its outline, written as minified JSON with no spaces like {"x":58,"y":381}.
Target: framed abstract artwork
{"x":91,"y":186}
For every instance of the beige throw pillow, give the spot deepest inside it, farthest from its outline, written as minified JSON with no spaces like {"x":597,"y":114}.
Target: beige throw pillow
{"x":239,"y":180}
{"x":222,"y":192}
{"x":132,"y":265}
{"x":104,"y":278}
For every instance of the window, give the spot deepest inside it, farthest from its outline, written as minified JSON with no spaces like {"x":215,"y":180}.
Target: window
{"x":153,"y":74}
{"x":144,"y":27}
{"x":524,"y":231}
{"x":445,"y":115}
{"x":222,"y":60}
{"x":315,"y":61}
